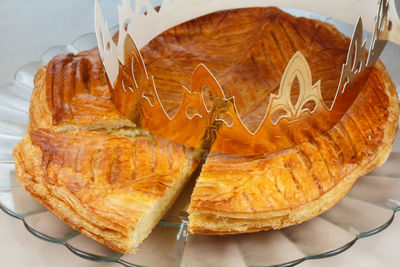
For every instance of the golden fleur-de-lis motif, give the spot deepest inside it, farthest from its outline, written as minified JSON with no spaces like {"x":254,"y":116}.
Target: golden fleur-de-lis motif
{"x":281,"y":104}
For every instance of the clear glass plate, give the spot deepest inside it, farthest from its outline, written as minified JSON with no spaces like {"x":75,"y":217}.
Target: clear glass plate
{"x":364,"y":211}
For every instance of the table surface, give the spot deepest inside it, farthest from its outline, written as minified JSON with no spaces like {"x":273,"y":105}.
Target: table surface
{"x":27,"y":29}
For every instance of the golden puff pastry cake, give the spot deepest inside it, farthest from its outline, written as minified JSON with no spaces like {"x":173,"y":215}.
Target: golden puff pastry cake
{"x":112,"y":184}
{"x":64,"y":165}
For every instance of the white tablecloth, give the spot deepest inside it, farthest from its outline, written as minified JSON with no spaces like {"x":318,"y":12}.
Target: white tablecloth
{"x":27,"y":29}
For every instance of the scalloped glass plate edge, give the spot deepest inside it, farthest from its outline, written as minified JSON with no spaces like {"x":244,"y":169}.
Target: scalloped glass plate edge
{"x":343,"y":248}
{"x":116,"y":259}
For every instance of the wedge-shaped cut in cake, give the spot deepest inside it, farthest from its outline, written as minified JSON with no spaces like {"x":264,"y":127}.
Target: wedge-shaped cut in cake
{"x":113,"y":189}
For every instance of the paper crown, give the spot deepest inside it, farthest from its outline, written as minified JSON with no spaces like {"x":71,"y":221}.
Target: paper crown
{"x":220,"y":127}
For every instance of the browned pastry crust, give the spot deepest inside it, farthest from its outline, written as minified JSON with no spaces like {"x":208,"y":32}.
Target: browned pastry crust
{"x":104,"y":185}
{"x":71,"y":93}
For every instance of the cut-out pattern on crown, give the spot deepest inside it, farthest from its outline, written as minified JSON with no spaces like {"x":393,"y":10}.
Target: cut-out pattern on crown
{"x":219,"y":127}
